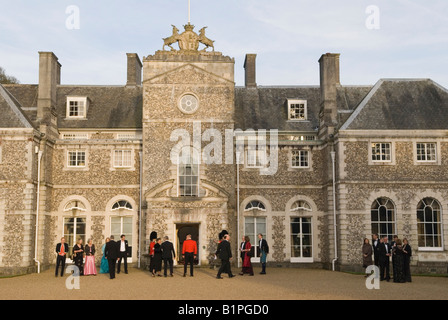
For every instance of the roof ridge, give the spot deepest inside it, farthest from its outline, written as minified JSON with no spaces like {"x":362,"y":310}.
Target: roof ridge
{"x":15,"y":106}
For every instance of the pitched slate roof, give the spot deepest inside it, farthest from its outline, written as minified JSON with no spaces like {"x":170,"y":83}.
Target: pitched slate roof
{"x":115,"y":107}
{"x":266,"y":107}
{"x":11,"y":114}
{"x":402,"y":104}
{"x":110,"y":106}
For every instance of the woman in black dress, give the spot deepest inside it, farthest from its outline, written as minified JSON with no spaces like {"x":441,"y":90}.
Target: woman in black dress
{"x":157,"y":258}
{"x":398,"y":262}
{"x":407,"y":260}
{"x":78,"y":256}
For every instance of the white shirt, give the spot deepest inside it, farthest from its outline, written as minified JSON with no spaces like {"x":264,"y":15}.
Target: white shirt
{"x":122,"y":246}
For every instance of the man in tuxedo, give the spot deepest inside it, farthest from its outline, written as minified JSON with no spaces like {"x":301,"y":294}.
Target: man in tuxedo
{"x":375,"y":245}
{"x":384,"y":251}
{"x":61,"y":250}
{"x":168,"y":254}
{"x":123,"y":248}
{"x":111,"y":254}
{"x":263,"y":250}
{"x":224,"y":252}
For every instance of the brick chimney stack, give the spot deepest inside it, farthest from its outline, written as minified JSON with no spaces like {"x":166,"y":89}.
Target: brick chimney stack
{"x":134,"y":70}
{"x":250,"y":71}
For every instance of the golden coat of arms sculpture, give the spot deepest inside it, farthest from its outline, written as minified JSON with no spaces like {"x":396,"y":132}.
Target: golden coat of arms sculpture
{"x":188,"y":40}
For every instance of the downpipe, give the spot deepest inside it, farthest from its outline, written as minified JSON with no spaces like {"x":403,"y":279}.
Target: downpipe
{"x":333,"y":160}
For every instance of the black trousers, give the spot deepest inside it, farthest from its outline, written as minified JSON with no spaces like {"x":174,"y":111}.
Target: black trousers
{"x":189,"y":260}
{"x":385,"y":269}
{"x":112,"y":263}
{"x":167,"y":261}
{"x":122,"y":256}
{"x":225,"y":268}
{"x":60,"y":261}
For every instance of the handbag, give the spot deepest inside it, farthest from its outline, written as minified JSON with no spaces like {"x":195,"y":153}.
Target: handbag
{"x":251,"y":252}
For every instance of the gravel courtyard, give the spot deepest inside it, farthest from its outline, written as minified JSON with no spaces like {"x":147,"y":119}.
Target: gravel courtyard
{"x":280,"y":283}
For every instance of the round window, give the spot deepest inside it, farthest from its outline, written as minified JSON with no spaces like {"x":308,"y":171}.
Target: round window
{"x":188,"y":104}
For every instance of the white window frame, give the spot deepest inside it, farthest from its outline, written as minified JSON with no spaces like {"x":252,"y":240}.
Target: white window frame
{"x":251,"y":203}
{"x":117,"y":239}
{"x":292,"y":157}
{"x":302,"y":259}
{"x":379,"y":222}
{"x":75,"y":235}
{"x":381,"y":154}
{"x":123,"y":161}
{"x":256,"y":241}
{"x":439,"y":248}
{"x":295,"y":102}
{"x":436,"y":153}
{"x":84,"y":100}
{"x":77,"y":154}
{"x":380,"y":162}
{"x":195,"y":155}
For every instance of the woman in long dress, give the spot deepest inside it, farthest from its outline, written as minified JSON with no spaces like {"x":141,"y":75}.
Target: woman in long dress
{"x":89,"y":267}
{"x":153,"y":238}
{"x":367,"y":252}
{"x":157,"y":258}
{"x":104,"y":268}
{"x":78,"y":256}
{"x":247,"y":264}
{"x":398,"y":262}
{"x":407,"y":260}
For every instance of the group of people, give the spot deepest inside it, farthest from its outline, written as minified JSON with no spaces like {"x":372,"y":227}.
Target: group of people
{"x":382,"y":251}
{"x":114,"y":252}
{"x":164,"y":252}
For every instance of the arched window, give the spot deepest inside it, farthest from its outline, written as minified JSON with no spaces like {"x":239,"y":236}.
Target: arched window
{"x":74,"y":225}
{"x":383,"y":217}
{"x":188,"y":172}
{"x":75,"y":205}
{"x":429,"y":223}
{"x":300,"y":205}
{"x":255,"y":205}
{"x":122,"y":204}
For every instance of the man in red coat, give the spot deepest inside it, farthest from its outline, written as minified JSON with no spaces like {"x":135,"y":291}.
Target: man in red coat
{"x":189,"y":253}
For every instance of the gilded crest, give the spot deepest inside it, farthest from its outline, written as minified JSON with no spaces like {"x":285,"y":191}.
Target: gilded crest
{"x":188,"y":40}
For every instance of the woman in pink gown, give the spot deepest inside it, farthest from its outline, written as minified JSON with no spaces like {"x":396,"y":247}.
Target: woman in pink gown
{"x":89,"y":265}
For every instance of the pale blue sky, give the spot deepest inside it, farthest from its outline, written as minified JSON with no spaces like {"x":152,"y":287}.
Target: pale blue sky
{"x":288,"y":36}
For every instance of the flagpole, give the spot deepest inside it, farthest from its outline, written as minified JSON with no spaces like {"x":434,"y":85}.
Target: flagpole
{"x":189,"y":12}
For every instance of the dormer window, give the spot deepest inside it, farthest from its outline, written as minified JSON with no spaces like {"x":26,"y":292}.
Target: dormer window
{"x":77,"y":107}
{"x":297,"y":110}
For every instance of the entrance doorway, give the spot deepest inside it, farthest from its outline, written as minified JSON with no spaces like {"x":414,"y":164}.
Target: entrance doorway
{"x":182,"y":230}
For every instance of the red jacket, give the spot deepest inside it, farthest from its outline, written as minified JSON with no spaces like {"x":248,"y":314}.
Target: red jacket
{"x":190,"y":246}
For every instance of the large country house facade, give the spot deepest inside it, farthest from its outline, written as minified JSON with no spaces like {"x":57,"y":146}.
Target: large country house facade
{"x":85,"y":161}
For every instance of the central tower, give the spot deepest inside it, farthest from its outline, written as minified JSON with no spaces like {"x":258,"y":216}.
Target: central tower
{"x":188,"y":93}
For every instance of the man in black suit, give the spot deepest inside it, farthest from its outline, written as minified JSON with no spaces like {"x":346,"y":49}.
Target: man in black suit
{"x":123,"y":248}
{"x":384,"y":259}
{"x":224,"y":252}
{"x":263,"y":251}
{"x":375,"y":244}
{"x":168,"y":254}
{"x":61,"y":250}
{"x":111,"y":254}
